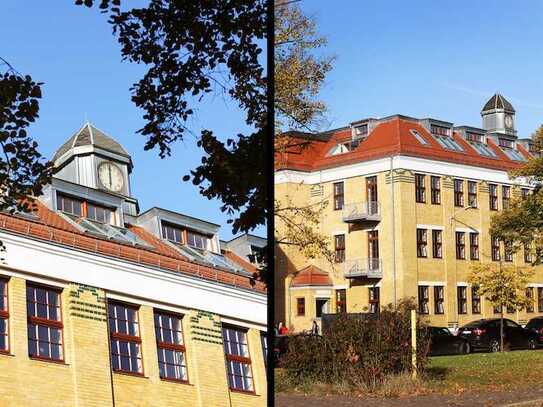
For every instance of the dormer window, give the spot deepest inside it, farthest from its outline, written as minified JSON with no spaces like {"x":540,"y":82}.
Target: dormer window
{"x":99,"y":213}
{"x":361,"y":130}
{"x":69,"y":205}
{"x":506,"y":143}
{"x":440,"y":130}
{"x":181,"y":235}
{"x":172,"y":233}
{"x":82,"y":208}
{"x":197,"y":240}
{"x":475,"y":137}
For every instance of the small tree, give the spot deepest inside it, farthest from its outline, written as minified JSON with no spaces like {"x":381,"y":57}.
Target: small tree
{"x":503,"y":286}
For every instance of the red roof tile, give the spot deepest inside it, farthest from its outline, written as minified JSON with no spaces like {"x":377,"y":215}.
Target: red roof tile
{"x":51,"y":227}
{"x":251,"y":268}
{"x":311,"y":275}
{"x":389,"y":138}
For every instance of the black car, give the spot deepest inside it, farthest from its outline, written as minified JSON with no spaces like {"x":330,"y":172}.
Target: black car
{"x":443,"y":342}
{"x":536,"y":325}
{"x":485,"y":334}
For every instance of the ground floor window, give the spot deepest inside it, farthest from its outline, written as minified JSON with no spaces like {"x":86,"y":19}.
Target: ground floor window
{"x":264,"y":344}
{"x":238,"y":360}
{"x":439,"y":298}
{"x":462,"y":298}
{"x":300,"y":306}
{"x":321,"y":305}
{"x":423,"y":299}
{"x":530,"y":297}
{"x":540,"y":299}
{"x":374,"y":300}
{"x":341,"y":301}
{"x":475,"y":301}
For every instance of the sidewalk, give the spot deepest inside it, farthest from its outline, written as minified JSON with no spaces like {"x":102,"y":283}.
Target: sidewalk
{"x":492,"y":399}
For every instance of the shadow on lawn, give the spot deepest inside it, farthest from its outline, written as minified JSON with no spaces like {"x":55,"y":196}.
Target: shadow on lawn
{"x":437,"y":373}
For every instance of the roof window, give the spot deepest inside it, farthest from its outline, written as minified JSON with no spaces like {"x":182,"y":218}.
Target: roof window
{"x":419,"y":137}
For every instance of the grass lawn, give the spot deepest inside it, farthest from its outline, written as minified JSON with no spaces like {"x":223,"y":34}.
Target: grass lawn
{"x":446,"y":375}
{"x":503,"y":371}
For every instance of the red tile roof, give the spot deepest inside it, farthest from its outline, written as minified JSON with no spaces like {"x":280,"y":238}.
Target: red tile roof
{"x":50,"y":227}
{"x":250,"y":267}
{"x":388,"y":138}
{"x":311,"y":275}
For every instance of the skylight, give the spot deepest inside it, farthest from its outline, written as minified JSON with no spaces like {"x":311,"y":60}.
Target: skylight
{"x":107,"y":231}
{"x":448,"y":143}
{"x":483,"y":149}
{"x":419,"y":138}
{"x":513,"y":154}
{"x":340,"y":148}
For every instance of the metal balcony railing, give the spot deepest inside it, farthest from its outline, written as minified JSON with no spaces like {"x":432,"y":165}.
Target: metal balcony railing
{"x":361,"y":211}
{"x":370,"y":268}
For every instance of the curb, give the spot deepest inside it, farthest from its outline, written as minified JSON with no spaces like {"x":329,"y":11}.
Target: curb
{"x":524,"y":403}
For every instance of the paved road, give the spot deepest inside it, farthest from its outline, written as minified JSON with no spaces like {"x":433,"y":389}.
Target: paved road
{"x":493,"y":399}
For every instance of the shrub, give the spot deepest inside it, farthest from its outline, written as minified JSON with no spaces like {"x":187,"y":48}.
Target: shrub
{"x":358,"y":351}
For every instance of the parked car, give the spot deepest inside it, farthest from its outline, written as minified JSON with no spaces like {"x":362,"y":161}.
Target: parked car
{"x":536,"y":325}
{"x":443,"y":342}
{"x":485,"y":334}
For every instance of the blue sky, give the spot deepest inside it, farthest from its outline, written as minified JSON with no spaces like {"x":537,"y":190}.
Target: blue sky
{"x":429,"y":58}
{"x":72,"y":50}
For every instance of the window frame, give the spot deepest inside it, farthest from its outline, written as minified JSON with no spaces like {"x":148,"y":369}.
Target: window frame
{"x":420,"y":188}
{"x":341,"y":301}
{"x":374,"y":298}
{"x":439,"y":300}
{"x":460,"y":240}
{"x":435,"y":190}
{"x":84,"y":205}
{"x":508,"y":252}
{"x":170,"y":345}
{"x":126,"y":338}
{"x":527,"y":254}
{"x":48,"y":323}
{"x":472,"y":194}
{"x":475,"y":300}
{"x":165,"y":226}
{"x":530,"y":308}
{"x":437,"y":244}
{"x":506,"y":197}
{"x":495,"y":249}
{"x":339,"y":249}
{"x":474,"y":246}
{"x":458,"y":192}
{"x":423,"y":299}
{"x":300,"y":305}
{"x":422,"y":243}
{"x":539,"y":299}
{"x":339,"y":195}
{"x":493,"y":197}
{"x":4,"y":314}
{"x":462,"y":299}
{"x":238,"y":359}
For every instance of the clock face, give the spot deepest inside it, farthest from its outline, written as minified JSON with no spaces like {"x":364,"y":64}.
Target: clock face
{"x":110,"y":176}
{"x":508,"y":121}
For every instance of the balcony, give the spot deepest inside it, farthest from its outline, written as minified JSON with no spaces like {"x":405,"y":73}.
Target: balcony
{"x":362,"y":211}
{"x":369,"y":268}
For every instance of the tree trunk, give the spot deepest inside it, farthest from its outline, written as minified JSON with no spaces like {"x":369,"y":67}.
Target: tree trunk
{"x":501,"y":329}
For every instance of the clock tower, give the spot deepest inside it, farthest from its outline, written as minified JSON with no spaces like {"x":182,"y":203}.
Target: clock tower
{"x":499,"y":116}
{"x":94,"y":160}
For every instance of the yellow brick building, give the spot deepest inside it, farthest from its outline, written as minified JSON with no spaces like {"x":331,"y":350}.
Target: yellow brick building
{"x":409,"y":207}
{"x":103,"y":306}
